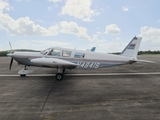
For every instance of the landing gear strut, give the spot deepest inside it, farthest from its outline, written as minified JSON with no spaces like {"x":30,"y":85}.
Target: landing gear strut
{"x":24,"y":72}
{"x":60,"y":73}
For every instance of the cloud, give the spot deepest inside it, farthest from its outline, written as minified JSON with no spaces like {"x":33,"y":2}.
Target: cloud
{"x":25,"y":27}
{"x":49,"y":8}
{"x":38,"y":44}
{"x":54,"y":1}
{"x":4,"y":6}
{"x":81,"y":32}
{"x":22,"y":0}
{"x":151,"y":38}
{"x":40,"y":21}
{"x":98,"y":33}
{"x":150,"y":34}
{"x":73,"y":28}
{"x":112,"y":29}
{"x":79,"y":9}
{"x":116,"y":45}
{"x":1,"y":48}
{"x":125,"y":8}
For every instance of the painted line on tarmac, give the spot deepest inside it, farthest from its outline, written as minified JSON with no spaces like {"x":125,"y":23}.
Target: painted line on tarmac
{"x":90,"y":74}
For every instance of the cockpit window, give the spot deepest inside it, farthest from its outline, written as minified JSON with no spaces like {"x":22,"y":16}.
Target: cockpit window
{"x":46,"y":51}
{"x":55,"y":52}
{"x":79,"y":55}
{"x":66,"y":53}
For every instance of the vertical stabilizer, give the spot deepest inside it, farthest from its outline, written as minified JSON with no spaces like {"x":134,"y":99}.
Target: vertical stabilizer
{"x":132,"y":48}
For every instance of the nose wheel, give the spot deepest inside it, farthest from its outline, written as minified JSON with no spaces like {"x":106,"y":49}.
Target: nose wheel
{"x":23,"y":75}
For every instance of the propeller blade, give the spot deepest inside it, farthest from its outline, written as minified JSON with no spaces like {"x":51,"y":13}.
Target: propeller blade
{"x":11,"y":48}
{"x":11,"y":63}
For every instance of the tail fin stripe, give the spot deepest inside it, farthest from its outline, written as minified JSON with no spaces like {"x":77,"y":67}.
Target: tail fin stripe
{"x":132,"y":46}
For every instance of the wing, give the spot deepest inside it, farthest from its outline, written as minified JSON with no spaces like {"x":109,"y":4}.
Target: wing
{"x":53,"y":62}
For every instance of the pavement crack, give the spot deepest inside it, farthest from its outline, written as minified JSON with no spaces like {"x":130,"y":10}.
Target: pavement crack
{"x":103,"y":103}
{"x":54,"y":82}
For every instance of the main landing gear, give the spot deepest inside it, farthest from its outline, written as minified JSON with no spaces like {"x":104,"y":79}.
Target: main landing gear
{"x":60,"y":73}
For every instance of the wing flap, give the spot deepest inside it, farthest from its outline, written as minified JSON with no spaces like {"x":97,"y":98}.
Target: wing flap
{"x":52,"y":62}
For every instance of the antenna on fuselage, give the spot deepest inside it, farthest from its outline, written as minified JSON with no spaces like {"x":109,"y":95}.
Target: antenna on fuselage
{"x":76,"y":47}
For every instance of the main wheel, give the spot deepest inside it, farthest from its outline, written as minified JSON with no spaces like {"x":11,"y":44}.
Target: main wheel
{"x":22,"y":75}
{"x":59,"y":76}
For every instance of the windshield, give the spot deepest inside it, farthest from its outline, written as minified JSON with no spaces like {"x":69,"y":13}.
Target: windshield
{"x":46,"y":51}
{"x":55,"y":52}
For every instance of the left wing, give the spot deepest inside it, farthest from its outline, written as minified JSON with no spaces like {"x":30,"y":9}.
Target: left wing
{"x":53,"y":62}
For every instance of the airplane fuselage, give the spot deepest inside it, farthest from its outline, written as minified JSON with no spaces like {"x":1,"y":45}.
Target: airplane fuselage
{"x":83,"y":59}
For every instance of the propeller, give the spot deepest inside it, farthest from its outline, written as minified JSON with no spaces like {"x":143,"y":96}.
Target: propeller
{"x":11,"y":63}
{"x":11,"y":48}
{"x":11,"y":56}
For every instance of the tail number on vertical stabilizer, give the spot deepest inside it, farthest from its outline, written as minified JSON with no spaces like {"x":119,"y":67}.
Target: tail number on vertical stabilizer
{"x":88,"y":65}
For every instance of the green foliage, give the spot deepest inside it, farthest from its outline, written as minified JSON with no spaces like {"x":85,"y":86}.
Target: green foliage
{"x":148,"y":52}
{"x":3,"y":53}
{"x":144,"y":52}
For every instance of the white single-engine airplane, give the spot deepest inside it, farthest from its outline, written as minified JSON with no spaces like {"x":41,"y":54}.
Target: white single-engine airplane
{"x":62,"y":58}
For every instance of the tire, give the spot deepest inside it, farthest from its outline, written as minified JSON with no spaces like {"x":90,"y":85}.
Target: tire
{"x":59,"y":76}
{"x":22,"y":75}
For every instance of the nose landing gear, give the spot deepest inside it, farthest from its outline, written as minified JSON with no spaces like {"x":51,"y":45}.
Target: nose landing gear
{"x":24,"y":72}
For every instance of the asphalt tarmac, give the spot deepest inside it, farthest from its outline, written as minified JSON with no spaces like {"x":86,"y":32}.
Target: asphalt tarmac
{"x":129,"y":92}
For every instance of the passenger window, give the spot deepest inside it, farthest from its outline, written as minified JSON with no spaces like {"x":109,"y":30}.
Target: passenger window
{"x":56,"y":53}
{"x":66,"y":53}
{"x":79,"y":55}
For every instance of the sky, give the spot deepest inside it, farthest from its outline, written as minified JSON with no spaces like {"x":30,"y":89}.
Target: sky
{"x":109,"y":25}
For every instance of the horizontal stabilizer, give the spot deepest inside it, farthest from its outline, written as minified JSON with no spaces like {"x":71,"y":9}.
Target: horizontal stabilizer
{"x":145,"y":61}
